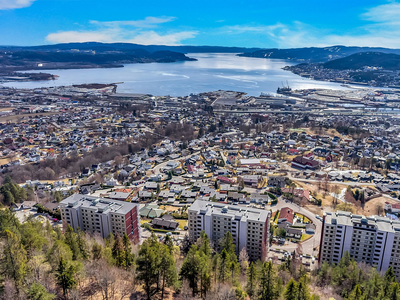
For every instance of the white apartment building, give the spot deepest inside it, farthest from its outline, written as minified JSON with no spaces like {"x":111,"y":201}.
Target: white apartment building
{"x":373,"y":240}
{"x":249,"y":226}
{"x":102,"y":216}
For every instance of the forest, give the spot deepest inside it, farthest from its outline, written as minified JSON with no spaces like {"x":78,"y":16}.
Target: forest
{"x":40,"y":262}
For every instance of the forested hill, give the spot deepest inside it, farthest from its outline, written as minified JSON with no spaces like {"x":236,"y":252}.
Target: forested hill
{"x":39,"y":261}
{"x":365,"y":59}
{"x":95,"y":46}
{"x":23,"y":59}
{"x":315,"y":54}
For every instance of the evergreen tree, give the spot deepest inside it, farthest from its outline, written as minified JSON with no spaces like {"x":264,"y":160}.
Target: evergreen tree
{"x":291,"y":290}
{"x":302,"y":289}
{"x":251,"y":280}
{"x":96,"y":251}
{"x":223,"y":268}
{"x":205,"y":278}
{"x":204,"y":244}
{"x":13,"y":262}
{"x":388,"y":279}
{"x":356,"y":294}
{"x":39,"y":292}
{"x":395,"y":292}
{"x":227,"y":244}
{"x":129,"y":256}
{"x":190,"y":269}
{"x":71,"y":241}
{"x":168,"y":273}
{"x":82,"y":244}
{"x":65,"y":276}
{"x":267,"y":282}
{"x":148,"y":268}
{"x":169,"y":243}
{"x":118,"y":252}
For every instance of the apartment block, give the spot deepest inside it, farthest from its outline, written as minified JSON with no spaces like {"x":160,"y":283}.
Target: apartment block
{"x":102,"y":216}
{"x":249,"y":226}
{"x":373,"y":240}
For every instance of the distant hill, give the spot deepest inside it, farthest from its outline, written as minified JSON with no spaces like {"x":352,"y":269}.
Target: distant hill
{"x":95,"y":46}
{"x":365,"y":59}
{"x":26,"y":58}
{"x":315,"y":54}
{"x":97,"y":55}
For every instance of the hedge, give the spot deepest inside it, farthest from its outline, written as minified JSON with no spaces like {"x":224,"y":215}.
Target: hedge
{"x":272,"y":196}
{"x":42,"y":209}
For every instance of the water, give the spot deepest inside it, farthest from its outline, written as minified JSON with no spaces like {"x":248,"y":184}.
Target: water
{"x":211,"y":72}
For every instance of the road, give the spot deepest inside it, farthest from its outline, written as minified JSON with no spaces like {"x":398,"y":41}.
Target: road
{"x":310,"y":244}
{"x":333,"y":182}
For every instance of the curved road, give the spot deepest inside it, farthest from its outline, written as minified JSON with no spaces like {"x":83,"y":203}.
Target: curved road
{"x":311,"y":243}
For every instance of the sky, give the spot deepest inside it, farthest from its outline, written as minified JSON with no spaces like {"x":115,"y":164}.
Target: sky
{"x":251,"y":23}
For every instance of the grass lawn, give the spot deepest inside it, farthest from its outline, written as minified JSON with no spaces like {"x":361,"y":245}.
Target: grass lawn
{"x":305,"y":237}
{"x":182,"y":223}
{"x":275,"y":216}
{"x":306,"y":220}
{"x":144,"y":221}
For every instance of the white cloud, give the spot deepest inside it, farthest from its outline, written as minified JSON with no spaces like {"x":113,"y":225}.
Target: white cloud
{"x":79,"y":37}
{"x":136,"y":31}
{"x":382,"y":30}
{"x":386,"y":13}
{"x":13,"y":4}
{"x":153,"y":38}
{"x":148,"y":22}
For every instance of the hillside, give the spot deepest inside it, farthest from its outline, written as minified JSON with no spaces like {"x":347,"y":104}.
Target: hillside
{"x":95,"y":46}
{"x":315,"y":54}
{"x":23,"y":59}
{"x":365,"y":59}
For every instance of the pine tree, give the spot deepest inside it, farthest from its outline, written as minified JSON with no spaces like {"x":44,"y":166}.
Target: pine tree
{"x":82,"y":244}
{"x":39,"y":292}
{"x":169,"y":243}
{"x":267,"y":282}
{"x":118,"y":252}
{"x":190,"y":269}
{"x":168,"y":273}
{"x":71,"y":241}
{"x":129,"y":256}
{"x":13,"y":262}
{"x":302,"y":289}
{"x":205,"y":278}
{"x":148,"y":268}
{"x":251,"y":280}
{"x":227,"y":244}
{"x":65,"y":276}
{"x":356,"y":294}
{"x":223,"y":268}
{"x":395,"y":292}
{"x":291,"y":290}
{"x":388,"y":279}
{"x":204,"y":243}
{"x":96,"y":251}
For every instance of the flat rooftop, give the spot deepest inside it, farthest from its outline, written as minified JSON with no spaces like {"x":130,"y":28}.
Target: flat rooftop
{"x":100,"y":205}
{"x":233,"y":211}
{"x":348,"y":219}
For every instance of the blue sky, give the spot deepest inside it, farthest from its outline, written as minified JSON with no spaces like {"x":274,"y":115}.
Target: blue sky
{"x":282,"y":24}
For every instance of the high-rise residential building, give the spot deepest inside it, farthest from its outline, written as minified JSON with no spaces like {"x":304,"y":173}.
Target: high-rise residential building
{"x":373,"y":240}
{"x":249,"y":226}
{"x":102,"y":216}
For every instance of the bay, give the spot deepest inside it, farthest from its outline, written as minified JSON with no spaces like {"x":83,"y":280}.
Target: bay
{"x":211,"y":71}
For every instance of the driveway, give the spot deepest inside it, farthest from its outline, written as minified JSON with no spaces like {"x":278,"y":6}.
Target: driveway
{"x":311,"y":243}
